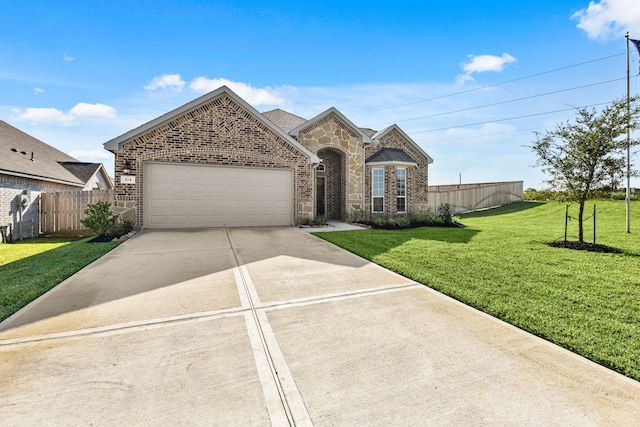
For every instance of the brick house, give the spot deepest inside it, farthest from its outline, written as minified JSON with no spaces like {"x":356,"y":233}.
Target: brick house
{"x":29,"y":167}
{"x":216,"y":161}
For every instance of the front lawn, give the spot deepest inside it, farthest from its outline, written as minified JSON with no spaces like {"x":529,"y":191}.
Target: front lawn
{"x":587,"y":302}
{"x":31,"y":267}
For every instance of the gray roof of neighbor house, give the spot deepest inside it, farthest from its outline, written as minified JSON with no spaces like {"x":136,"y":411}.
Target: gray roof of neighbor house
{"x":25,"y":156}
{"x":84,"y":171}
{"x":389,"y":155}
{"x":284,"y":120}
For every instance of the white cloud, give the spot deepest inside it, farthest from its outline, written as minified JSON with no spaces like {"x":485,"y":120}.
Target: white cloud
{"x":483,"y":63}
{"x":68,"y":58}
{"x":609,"y":19}
{"x":55,"y":116}
{"x":38,"y":90}
{"x":93,"y":110}
{"x":253,"y":95}
{"x":43,"y":115}
{"x":94,"y":156}
{"x":171,"y":83}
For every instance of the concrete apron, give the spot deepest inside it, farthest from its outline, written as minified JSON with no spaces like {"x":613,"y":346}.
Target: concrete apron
{"x":277,"y":327}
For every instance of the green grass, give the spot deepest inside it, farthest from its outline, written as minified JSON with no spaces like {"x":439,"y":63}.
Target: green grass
{"x":31,"y":267}
{"x":501,"y":264}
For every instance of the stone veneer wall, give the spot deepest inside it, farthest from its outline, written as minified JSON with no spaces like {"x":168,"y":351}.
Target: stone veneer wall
{"x":220,"y":132}
{"x":10,"y":188}
{"x":332,"y":133}
{"x":417,"y":178}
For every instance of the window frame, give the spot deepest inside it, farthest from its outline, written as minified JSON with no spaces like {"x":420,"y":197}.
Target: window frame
{"x":376,"y":189}
{"x":401,"y":198}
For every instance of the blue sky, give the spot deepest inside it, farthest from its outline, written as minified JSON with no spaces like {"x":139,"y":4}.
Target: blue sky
{"x":469,"y":81}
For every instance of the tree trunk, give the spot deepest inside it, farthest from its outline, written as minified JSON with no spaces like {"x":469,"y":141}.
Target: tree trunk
{"x":580,"y":216}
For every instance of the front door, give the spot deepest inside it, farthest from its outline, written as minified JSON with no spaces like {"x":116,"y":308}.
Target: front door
{"x":321,"y":196}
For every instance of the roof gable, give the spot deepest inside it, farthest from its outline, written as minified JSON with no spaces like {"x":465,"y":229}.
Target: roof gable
{"x":364,"y":138}
{"x":25,"y":156}
{"x":84,"y":171}
{"x":117,"y":143}
{"x":389,"y":156}
{"x":381,"y":134}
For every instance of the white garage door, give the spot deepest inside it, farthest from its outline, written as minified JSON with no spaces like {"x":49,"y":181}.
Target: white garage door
{"x":182,"y":195}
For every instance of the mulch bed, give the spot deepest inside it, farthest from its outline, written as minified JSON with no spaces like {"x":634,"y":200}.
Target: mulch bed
{"x":387,"y":226}
{"x":101,"y":238}
{"x":585,"y":246}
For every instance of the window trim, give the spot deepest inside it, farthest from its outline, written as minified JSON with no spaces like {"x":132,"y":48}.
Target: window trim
{"x":373,"y":190}
{"x":404,"y":196}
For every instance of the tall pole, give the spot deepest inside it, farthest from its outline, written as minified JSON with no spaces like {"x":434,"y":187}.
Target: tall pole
{"x":628,"y":195}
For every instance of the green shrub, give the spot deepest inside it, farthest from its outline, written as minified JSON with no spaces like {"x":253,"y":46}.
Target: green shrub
{"x":402,"y":221}
{"x":618,"y":195}
{"x":99,"y":218}
{"x":445,"y":211}
{"x":379,"y":220}
{"x":120,"y":228}
{"x":318,"y":220}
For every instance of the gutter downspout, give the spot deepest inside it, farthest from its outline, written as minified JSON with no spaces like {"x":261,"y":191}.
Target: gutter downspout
{"x":19,"y":205}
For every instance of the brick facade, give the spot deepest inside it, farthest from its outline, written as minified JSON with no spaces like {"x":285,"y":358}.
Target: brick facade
{"x":417,"y":185}
{"x":220,"y":132}
{"x":221,"y":129}
{"x":26,"y":223}
{"x":334,"y":173}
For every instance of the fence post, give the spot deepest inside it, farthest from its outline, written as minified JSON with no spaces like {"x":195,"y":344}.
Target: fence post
{"x":566,"y":225}
{"x":594,"y":223}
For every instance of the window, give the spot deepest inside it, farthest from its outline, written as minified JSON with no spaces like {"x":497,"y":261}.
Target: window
{"x":401,"y":190}
{"x":377,"y":190}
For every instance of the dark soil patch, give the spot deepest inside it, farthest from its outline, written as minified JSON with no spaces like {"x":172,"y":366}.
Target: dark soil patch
{"x":102,"y":238}
{"x":585,"y":246}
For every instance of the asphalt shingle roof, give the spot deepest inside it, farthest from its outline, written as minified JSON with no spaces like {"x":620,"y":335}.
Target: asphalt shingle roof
{"x":84,"y":171}
{"x":389,"y":155}
{"x":23,"y":155}
{"x":284,"y":120}
{"x":368,"y":132}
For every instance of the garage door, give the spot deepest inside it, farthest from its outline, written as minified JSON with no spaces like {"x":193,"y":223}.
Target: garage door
{"x":181,"y":195}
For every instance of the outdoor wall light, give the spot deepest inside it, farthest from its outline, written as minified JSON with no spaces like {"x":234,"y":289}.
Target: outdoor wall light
{"x":126,"y":169}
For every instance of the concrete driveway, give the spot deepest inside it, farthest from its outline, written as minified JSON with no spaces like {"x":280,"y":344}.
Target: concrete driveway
{"x":274,"y":326}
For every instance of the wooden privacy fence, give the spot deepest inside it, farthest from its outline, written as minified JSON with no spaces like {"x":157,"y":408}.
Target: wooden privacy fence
{"x":468,"y":197}
{"x":61,"y":212}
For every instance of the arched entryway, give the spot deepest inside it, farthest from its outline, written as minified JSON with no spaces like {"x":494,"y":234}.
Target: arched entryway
{"x":330,"y":184}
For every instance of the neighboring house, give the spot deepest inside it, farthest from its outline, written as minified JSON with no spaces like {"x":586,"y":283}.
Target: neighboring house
{"x":216,"y":161}
{"x":29,"y":167}
{"x":94,"y":175}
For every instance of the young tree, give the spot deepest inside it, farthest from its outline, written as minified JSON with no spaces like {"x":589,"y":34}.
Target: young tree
{"x":589,"y":154}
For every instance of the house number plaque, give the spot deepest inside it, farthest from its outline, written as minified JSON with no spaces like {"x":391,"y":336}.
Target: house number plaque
{"x":127,"y":179}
